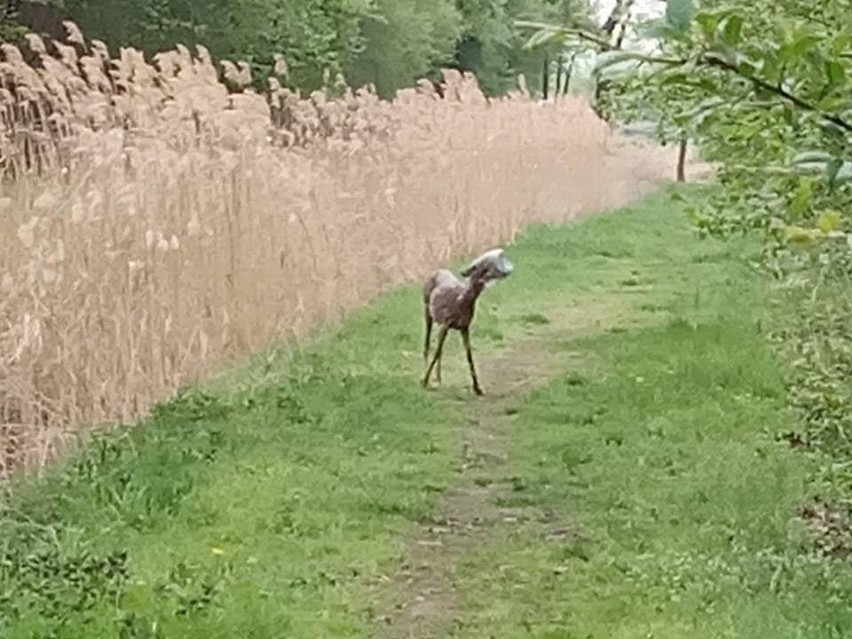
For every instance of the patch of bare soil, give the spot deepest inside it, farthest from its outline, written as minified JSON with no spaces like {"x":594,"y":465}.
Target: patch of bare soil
{"x":830,"y":527}
{"x":421,"y":600}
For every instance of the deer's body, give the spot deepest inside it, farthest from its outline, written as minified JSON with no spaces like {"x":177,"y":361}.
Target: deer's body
{"x":451,"y":303}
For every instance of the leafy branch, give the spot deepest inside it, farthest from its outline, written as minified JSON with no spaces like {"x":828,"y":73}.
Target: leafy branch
{"x":715,"y":61}
{"x":548,"y":34}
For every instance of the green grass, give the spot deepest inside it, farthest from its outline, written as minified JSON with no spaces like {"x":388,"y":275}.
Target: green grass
{"x":263,"y":505}
{"x":666,"y":462}
{"x":662,"y":457}
{"x":255,"y":514}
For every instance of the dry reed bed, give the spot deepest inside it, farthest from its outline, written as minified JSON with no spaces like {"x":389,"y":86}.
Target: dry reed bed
{"x":173,"y":225}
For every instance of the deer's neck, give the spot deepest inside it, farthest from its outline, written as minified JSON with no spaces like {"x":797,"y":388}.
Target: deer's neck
{"x":472,"y":291}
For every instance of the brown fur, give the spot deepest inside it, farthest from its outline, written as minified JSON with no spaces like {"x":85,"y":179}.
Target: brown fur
{"x":451,"y":303}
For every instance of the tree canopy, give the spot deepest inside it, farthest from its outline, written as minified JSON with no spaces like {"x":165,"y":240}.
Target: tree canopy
{"x":764,"y":89}
{"x":388,"y":43}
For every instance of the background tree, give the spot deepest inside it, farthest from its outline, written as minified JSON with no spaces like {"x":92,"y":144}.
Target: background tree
{"x":404,"y":40}
{"x":756,"y":85}
{"x":388,"y":43}
{"x":314,"y":35}
{"x":492,"y":47}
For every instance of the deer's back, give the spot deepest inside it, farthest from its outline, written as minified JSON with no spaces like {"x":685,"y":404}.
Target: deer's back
{"x":440,"y":279}
{"x":442,"y":293}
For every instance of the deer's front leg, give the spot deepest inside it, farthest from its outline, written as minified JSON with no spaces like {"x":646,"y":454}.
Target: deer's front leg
{"x":466,"y":339}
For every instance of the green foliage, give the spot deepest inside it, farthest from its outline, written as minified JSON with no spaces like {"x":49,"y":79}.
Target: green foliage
{"x":404,"y":40}
{"x":679,"y":15}
{"x":766,"y":93}
{"x":148,"y":24}
{"x":755,"y":87}
{"x":314,"y":35}
{"x":493,"y":48}
{"x":387,"y":43}
{"x":11,"y":32}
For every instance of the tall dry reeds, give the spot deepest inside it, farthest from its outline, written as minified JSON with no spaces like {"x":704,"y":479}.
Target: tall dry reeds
{"x":154,"y":225}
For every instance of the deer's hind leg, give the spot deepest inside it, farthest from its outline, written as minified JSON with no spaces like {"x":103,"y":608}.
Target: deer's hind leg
{"x":442,"y":336}
{"x":427,"y":316}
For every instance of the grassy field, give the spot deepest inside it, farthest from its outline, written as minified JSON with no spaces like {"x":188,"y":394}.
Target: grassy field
{"x":649,"y":496}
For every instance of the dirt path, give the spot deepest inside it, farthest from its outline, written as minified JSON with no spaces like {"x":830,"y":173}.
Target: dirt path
{"x":421,"y":600}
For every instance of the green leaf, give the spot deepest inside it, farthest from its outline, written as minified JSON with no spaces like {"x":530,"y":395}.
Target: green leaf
{"x":726,"y":54}
{"x":832,"y":168}
{"x":611,"y":58}
{"x":707,"y":23}
{"x":730,"y":29}
{"x":656,"y":29}
{"x":770,"y":67}
{"x":792,"y":51}
{"x":829,"y":221}
{"x":841,"y":43}
{"x":694,"y":217}
{"x":705,"y":84}
{"x":835,"y":169}
{"x":844,"y":173}
{"x":831,"y":103}
{"x":703,"y":110}
{"x":545,"y":37}
{"x":802,"y":198}
{"x":799,"y":235}
{"x":679,"y":14}
{"x":804,"y":43}
{"x":808,"y":157}
{"x":676,"y":78}
{"x":835,"y":72}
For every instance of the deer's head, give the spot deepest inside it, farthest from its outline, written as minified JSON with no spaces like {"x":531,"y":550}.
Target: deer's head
{"x":491,"y":266}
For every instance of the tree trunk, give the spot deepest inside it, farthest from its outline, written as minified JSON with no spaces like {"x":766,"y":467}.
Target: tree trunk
{"x":681,"y":159}
{"x":545,"y":76}
{"x":568,"y":73}
{"x":560,"y":62}
{"x":566,"y":82}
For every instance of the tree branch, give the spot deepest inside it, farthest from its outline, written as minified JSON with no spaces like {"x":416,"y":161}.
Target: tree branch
{"x":579,"y":32}
{"x":714,"y":61}
{"x":591,"y":37}
{"x":717,"y":62}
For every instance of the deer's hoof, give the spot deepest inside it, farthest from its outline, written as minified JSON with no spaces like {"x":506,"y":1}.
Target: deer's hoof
{"x":478,"y":391}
